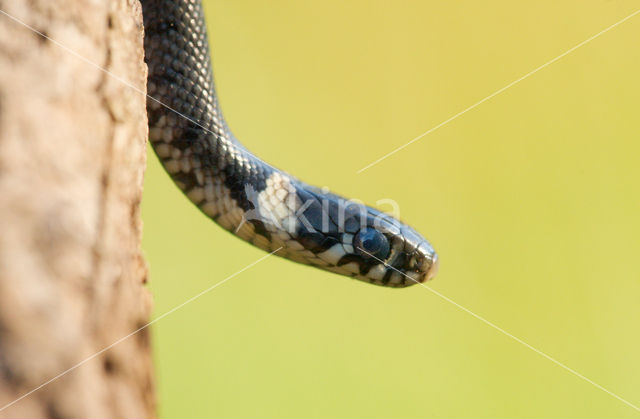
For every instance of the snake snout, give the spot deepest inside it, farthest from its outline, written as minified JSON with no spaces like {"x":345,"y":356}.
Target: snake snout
{"x":432,"y":270}
{"x":428,"y":262}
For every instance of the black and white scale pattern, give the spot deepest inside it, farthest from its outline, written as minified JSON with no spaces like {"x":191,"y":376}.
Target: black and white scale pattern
{"x":255,"y":201}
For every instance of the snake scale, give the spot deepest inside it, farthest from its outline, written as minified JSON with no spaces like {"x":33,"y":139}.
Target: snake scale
{"x":246,"y":196}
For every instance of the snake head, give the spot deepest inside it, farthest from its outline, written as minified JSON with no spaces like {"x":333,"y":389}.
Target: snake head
{"x":349,"y":238}
{"x":314,"y":227}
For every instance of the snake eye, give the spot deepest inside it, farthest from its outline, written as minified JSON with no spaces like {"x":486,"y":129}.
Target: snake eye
{"x":370,"y":242}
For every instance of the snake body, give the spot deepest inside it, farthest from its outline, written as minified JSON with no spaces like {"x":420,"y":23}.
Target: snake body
{"x":255,"y":201}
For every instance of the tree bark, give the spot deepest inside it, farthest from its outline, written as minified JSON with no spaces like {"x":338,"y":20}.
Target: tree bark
{"x":72,"y":156}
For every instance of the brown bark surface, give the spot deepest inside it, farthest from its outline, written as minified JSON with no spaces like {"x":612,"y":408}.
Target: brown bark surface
{"x":72,"y":155}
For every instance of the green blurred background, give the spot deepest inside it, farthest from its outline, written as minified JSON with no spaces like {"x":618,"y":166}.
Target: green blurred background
{"x":531,"y":200}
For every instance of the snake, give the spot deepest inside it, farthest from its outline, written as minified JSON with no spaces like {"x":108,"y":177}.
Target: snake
{"x":246,"y":196}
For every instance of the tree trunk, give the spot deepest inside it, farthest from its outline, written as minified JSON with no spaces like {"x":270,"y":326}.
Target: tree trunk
{"x":72,"y":156}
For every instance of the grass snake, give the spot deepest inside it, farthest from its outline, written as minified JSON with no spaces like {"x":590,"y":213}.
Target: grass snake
{"x":246,"y":196}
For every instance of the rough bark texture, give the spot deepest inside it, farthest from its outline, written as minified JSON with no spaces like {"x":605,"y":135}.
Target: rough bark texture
{"x":72,"y":155}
